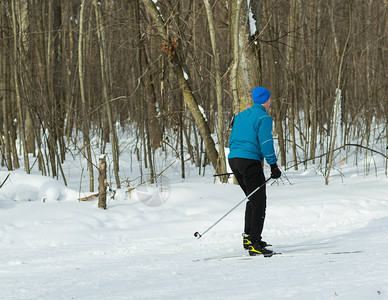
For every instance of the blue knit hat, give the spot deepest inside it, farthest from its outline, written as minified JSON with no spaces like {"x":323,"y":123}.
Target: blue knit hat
{"x":260,"y":95}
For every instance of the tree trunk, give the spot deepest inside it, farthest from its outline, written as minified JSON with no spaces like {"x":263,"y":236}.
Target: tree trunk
{"x":245,"y":73}
{"x":292,"y":78}
{"x":85,"y":122}
{"x":105,"y":78}
{"x":221,"y":163}
{"x":17,"y":89}
{"x":4,"y":90}
{"x":337,"y":102}
{"x":188,"y":95}
{"x":234,"y":17}
{"x":102,"y":183}
{"x":314,"y":91}
{"x":181,"y":126}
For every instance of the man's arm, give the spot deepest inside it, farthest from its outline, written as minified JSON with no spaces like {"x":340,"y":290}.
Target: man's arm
{"x":266,"y":140}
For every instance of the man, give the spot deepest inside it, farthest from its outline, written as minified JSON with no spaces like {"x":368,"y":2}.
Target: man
{"x":250,"y":142}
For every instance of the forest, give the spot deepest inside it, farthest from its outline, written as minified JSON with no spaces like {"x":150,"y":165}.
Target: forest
{"x":88,"y":74}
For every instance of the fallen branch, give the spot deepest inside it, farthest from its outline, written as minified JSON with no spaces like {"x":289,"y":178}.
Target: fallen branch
{"x":89,"y":197}
{"x":95,"y":196}
{"x":364,"y":147}
{"x":343,"y":146}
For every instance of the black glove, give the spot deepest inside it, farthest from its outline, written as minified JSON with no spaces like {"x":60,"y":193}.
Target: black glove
{"x":275,"y":172}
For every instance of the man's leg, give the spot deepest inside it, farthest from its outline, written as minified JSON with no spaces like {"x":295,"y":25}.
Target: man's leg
{"x":238,"y":166}
{"x":254,"y":177}
{"x":248,"y":218}
{"x":249,"y":175}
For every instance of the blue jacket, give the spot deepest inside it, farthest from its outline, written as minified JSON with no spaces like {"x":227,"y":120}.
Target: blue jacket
{"x":251,"y":135}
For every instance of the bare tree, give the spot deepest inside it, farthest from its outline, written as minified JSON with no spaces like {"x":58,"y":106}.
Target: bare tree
{"x":105,"y":79}
{"x":171,"y":45}
{"x":221,"y":164}
{"x":69,"y":72}
{"x":86,"y":126}
{"x":336,"y":114}
{"x":16,"y":72}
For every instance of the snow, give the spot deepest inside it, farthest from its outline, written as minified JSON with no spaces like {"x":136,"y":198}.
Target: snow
{"x":202,"y":112}
{"x":53,"y":246}
{"x":252,"y":22}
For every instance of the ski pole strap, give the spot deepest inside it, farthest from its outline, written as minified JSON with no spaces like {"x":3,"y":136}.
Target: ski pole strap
{"x":224,"y":174}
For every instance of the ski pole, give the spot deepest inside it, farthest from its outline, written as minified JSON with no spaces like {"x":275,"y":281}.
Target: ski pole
{"x":198,"y":235}
{"x":222,"y":174}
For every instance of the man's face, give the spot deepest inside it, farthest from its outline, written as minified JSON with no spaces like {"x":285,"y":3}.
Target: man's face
{"x":267,"y":104}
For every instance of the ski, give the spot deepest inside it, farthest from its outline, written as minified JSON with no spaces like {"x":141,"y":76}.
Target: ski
{"x":285,"y":254}
{"x":235,"y":256}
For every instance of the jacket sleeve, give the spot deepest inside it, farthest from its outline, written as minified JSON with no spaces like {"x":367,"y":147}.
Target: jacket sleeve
{"x":266,"y":140}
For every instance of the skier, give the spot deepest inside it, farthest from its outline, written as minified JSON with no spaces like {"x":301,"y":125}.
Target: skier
{"x":250,"y":142}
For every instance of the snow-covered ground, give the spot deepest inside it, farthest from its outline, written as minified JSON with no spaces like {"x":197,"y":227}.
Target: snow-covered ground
{"x":53,"y":246}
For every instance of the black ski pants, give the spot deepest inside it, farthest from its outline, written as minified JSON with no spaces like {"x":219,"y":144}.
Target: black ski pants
{"x":249,"y":174}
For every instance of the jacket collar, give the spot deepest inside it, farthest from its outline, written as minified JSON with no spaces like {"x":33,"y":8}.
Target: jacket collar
{"x":259,"y":106}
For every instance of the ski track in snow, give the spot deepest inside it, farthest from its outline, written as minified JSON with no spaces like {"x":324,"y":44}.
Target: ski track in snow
{"x":55,"y":247}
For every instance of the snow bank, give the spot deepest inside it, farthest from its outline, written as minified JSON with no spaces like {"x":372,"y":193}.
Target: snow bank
{"x":61,"y":248}
{"x":23,"y":187}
